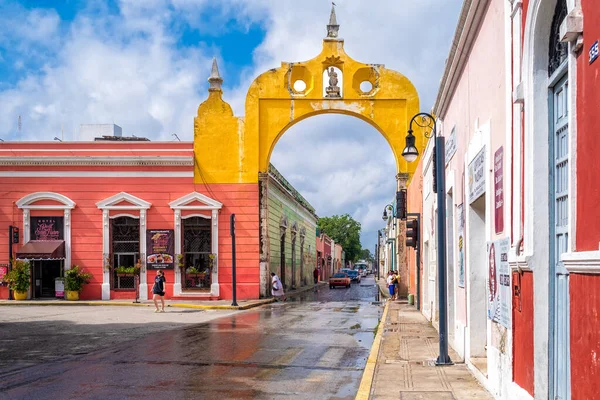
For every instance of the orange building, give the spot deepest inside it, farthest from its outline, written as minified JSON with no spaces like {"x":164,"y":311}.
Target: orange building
{"x":109,"y":206}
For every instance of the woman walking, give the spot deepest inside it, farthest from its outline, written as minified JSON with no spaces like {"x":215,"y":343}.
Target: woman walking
{"x":159,"y":289}
{"x":277,"y":287}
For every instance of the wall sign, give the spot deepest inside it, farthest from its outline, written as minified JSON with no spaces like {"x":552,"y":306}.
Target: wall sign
{"x":498,"y":282}
{"x":46,"y":228}
{"x":160,"y":246}
{"x":499,"y":190}
{"x":477,"y":176}
{"x":594,"y":52}
{"x":461,"y":245}
{"x":451,"y":145}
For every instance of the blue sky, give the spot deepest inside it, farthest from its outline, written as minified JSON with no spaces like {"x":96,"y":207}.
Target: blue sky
{"x":143,"y":65}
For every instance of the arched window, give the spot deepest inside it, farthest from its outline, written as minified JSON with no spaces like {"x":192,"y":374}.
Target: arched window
{"x":557,"y":49}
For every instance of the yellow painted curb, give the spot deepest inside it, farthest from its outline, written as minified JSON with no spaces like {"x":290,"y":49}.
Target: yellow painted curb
{"x":364,"y":390}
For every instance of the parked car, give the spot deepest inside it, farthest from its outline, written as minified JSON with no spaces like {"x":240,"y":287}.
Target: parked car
{"x":339,"y":279}
{"x":354,"y":275}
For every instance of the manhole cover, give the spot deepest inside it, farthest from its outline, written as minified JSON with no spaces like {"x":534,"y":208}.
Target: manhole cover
{"x":426,"y":396}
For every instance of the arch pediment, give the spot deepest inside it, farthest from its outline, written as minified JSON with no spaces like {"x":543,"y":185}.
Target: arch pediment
{"x":123,"y":201}
{"x":196,"y":201}
{"x":45,"y":200}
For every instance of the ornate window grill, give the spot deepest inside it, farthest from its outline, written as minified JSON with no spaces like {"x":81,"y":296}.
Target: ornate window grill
{"x":125,"y":235}
{"x":197,"y":239}
{"x":557,"y":52}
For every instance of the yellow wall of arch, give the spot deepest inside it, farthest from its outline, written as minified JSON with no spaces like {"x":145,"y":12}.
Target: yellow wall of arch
{"x":231,"y":149}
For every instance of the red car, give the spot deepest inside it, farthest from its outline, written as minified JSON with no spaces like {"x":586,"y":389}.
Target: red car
{"x":339,"y":279}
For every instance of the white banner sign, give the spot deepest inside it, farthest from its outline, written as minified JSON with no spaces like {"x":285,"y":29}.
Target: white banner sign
{"x":477,"y":176}
{"x":499,"y":293}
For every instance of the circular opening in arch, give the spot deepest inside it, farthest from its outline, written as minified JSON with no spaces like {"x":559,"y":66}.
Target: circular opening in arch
{"x":299,"y":85}
{"x":366,"y":86}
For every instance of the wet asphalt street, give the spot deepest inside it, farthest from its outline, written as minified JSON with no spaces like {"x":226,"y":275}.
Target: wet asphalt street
{"x":312,"y":347}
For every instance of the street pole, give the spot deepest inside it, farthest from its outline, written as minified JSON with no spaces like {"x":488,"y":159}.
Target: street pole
{"x":232,"y":232}
{"x":10,"y":254}
{"x":443,"y":358}
{"x":411,"y":153}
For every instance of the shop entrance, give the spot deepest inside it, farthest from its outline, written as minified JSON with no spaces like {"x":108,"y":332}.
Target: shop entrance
{"x":44,"y":273}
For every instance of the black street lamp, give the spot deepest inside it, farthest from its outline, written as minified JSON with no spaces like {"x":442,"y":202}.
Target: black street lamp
{"x":410,"y":154}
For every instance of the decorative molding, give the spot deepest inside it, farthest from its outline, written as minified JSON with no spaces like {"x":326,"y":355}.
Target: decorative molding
{"x":124,"y":215}
{"x":582,"y":262}
{"x":470,"y":19}
{"x":26,"y":202}
{"x":193,"y":215}
{"x":136,"y":203}
{"x":133,"y":161}
{"x":182,"y":202}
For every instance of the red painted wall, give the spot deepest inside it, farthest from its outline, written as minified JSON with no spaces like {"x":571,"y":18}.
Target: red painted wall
{"x":588,"y":145}
{"x":86,"y":218}
{"x":523,"y":332}
{"x":585,"y":336}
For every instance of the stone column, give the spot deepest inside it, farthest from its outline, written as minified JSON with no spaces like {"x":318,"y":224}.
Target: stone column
{"x":67,"y":236}
{"x":106,"y":255}
{"x":178,"y":251}
{"x":214,"y":287}
{"x":143,"y":281}
{"x":401,"y":253}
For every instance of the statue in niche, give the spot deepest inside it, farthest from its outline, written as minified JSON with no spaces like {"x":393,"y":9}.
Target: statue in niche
{"x":333,"y":89}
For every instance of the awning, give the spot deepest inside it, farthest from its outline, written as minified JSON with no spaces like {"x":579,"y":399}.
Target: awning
{"x":42,"y":250}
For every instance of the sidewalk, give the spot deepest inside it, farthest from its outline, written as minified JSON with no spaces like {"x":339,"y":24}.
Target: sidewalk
{"x":197,"y":304}
{"x":404,"y":368}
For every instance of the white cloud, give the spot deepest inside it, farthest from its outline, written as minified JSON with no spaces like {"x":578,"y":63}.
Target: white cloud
{"x":128,"y":68}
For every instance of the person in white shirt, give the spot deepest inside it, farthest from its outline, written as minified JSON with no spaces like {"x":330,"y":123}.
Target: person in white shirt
{"x":277,"y":287}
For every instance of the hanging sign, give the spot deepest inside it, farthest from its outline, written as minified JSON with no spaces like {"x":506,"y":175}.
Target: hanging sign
{"x":477,"y":176}
{"x":499,"y":190}
{"x":46,"y":228}
{"x":461,"y":245}
{"x":498,"y":282}
{"x":160,"y":246}
{"x":451,"y":145}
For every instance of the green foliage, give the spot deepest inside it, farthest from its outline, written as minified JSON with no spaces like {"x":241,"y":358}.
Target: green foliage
{"x":75,"y":278}
{"x":192,"y":270}
{"x":365,"y":254}
{"x":128,"y":270}
{"x":18,"y":278}
{"x":345,"y":231}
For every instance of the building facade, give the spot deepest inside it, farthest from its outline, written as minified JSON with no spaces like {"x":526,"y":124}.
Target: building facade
{"x":517,"y":110}
{"x":291,"y":233}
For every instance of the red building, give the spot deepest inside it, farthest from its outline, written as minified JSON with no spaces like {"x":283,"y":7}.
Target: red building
{"x":103,"y":205}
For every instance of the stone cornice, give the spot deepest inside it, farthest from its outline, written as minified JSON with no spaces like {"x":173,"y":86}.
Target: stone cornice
{"x":171,"y":161}
{"x":582,"y":262}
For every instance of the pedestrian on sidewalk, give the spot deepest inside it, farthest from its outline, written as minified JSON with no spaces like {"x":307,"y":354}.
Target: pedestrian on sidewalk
{"x":316,"y":275}
{"x":158,"y":290}
{"x":277,"y":287}
{"x":396,"y":282}
{"x":390,"y":283}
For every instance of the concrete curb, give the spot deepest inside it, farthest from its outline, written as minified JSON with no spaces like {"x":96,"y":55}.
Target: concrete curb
{"x":132,"y":304}
{"x":364,"y":390}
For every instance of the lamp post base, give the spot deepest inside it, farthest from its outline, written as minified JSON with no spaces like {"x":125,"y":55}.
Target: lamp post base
{"x":441,"y":361}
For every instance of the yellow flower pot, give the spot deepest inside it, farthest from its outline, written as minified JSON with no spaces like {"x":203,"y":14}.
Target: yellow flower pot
{"x":20,"y":295}
{"x":72,"y":295}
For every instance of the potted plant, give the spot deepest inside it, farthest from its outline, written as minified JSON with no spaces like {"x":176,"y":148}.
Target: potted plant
{"x":18,"y":279}
{"x":75,"y":278}
{"x":193,"y":272}
{"x":125,"y":271}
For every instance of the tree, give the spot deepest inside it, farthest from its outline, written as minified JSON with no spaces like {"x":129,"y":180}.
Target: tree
{"x":343,"y":229}
{"x":365,"y":254}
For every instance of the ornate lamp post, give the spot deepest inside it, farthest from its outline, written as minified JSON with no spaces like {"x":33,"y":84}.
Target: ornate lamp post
{"x":410,"y":154}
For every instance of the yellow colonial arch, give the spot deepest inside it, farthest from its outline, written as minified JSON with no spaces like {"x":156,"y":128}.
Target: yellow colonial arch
{"x":229,"y":149}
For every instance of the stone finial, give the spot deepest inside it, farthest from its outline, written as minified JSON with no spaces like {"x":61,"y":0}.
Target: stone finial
{"x":215,"y":79}
{"x":332,"y":27}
